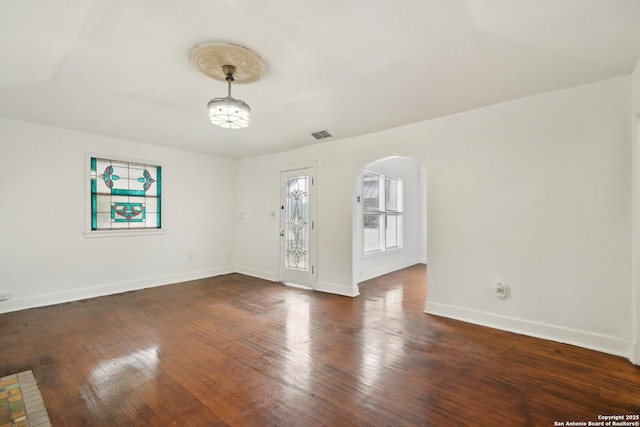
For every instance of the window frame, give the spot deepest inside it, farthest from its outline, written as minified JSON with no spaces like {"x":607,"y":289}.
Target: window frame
{"x":124,"y":232}
{"x":382,"y":212}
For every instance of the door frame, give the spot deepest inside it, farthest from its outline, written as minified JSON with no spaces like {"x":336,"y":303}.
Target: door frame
{"x":312,"y":277}
{"x":635,"y":244}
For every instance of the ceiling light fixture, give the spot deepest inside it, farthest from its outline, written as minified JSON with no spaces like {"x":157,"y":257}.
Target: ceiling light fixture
{"x":230,"y":63}
{"x":229,"y":112}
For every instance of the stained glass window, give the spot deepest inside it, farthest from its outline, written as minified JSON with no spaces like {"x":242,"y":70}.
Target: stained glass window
{"x":125,"y":195}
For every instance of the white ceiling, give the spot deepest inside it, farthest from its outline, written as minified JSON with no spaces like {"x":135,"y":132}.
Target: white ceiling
{"x":121,"y":67}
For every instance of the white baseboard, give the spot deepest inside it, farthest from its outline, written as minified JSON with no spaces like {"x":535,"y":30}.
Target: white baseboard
{"x":331,"y":288}
{"x":260,"y":274}
{"x":598,"y":342}
{"x":109,"y":289}
{"x":116,"y":288}
{"x":334,"y":288}
{"x":385,"y":269}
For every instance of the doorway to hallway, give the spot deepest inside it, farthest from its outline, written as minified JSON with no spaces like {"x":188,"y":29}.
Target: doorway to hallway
{"x":389,"y":217}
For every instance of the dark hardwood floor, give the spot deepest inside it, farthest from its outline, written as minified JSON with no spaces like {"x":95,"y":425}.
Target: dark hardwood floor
{"x":235,"y":350}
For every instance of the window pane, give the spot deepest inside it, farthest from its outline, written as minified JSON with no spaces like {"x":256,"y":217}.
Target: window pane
{"x":371,"y":192}
{"x":372,"y":232}
{"x":103,"y":204}
{"x":393,"y":231}
{"x":152,"y":204}
{"x":393,"y":191}
{"x":103,"y":220}
{"x":152,"y":221}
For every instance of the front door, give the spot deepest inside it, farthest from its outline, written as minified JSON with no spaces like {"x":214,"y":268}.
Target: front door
{"x":297,"y":232}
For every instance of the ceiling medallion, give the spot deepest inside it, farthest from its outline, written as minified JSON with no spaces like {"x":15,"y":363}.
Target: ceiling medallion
{"x":211,"y":57}
{"x":230,"y":63}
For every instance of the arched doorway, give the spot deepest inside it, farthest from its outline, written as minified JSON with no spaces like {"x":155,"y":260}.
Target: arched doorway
{"x":388,"y":239}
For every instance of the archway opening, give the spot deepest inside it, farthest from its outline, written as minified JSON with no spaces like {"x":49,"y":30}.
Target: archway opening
{"x":389,"y":218}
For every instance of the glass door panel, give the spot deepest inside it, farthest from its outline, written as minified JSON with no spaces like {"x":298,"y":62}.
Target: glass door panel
{"x":296,"y":229}
{"x":297,"y":233}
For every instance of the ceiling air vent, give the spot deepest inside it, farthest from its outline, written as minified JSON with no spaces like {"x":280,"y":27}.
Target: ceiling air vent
{"x":322,"y":134}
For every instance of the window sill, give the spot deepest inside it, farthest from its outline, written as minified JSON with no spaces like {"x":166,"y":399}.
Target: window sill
{"x":379,"y":253}
{"x":123,"y":233}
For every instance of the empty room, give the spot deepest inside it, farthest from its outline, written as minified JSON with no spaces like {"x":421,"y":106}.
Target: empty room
{"x":336,"y":213}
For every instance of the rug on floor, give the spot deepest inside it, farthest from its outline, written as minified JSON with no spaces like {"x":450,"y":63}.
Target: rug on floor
{"x":21,"y":403}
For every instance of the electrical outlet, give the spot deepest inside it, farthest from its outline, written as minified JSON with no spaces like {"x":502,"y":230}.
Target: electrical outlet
{"x":5,"y":296}
{"x":501,"y":290}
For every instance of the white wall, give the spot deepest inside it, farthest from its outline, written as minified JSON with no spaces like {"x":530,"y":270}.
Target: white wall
{"x":635,"y":127}
{"x":257,"y":236}
{"x":535,"y":193}
{"x":44,"y":255}
{"x":413,"y":250}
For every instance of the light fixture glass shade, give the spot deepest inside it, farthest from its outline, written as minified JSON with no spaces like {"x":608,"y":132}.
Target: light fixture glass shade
{"x":229,"y":112}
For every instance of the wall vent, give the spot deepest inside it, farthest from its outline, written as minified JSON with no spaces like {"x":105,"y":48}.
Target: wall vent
{"x":322,"y":134}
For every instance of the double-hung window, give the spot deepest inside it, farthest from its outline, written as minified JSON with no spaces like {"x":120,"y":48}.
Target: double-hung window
{"x":382,"y":198}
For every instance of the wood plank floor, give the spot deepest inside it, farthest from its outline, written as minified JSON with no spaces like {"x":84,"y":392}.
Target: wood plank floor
{"x":235,"y":350}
